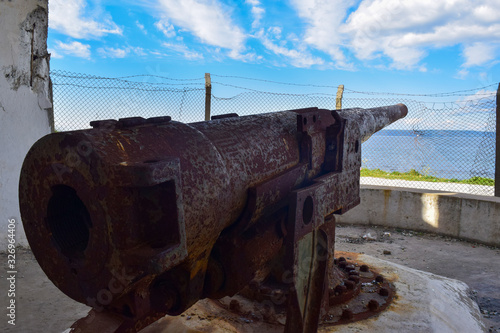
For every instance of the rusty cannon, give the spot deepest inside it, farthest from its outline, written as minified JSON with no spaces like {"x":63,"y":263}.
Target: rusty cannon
{"x":141,"y":218}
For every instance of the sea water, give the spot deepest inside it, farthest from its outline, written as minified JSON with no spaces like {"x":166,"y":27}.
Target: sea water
{"x":444,"y":154}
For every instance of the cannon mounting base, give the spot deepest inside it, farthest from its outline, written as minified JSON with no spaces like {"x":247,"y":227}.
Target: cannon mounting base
{"x":424,"y":302}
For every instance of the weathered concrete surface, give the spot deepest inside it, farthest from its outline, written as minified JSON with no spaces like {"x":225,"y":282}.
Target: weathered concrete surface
{"x":475,"y":264}
{"x":465,"y":216}
{"x":42,"y":307}
{"x":425,"y":303}
{"x":25,"y":98}
{"x":433,"y":186}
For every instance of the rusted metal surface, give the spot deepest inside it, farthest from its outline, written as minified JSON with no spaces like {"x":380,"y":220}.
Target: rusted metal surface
{"x":360,"y":293}
{"x":140,"y":218}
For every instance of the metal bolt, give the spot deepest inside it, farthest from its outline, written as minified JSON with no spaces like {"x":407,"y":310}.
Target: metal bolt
{"x":349,"y":284}
{"x":379,"y":279}
{"x":373,"y":305}
{"x":234,"y":305}
{"x":364,"y":268}
{"x":347,"y":314}
{"x":342,"y":259}
{"x":384,"y":292}
{"x":354,"y":278}
{"x":339,"y":290}
{"x":342,"y":264}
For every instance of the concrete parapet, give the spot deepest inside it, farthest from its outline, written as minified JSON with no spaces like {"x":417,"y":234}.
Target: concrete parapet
{"x":471,"y":217}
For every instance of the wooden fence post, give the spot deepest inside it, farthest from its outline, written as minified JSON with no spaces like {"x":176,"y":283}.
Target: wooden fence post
{"x":208,"y":95}
{"x":340,"y":92}
{"x":497,"y":152}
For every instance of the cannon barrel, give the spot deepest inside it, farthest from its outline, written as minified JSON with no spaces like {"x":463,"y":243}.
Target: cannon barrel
{"x":127,"y":215}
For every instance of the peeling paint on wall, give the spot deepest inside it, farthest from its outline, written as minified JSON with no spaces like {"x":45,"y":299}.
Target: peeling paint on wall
{"x":25,"y":98}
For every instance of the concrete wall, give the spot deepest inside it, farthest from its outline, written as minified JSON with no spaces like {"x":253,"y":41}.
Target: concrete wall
{"x":25,"y":98}
{"x":471,"y":217}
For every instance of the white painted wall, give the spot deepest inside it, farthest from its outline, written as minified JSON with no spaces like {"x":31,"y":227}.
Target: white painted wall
{"x":25,"y":99}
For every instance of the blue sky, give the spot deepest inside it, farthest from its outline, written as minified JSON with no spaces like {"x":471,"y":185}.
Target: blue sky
{"x":408,"y":46}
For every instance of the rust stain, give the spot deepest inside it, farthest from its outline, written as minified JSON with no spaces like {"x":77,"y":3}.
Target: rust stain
{"x":119,"y":144}
{"x":188,"y":211}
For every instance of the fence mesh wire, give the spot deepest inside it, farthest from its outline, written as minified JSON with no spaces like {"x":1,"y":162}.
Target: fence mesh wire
{"x":439,"y":146}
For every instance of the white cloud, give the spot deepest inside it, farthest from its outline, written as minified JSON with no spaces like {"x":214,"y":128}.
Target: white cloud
{"x":299,"y":56}
{"x":486,"y":79}
{"x":462,"y":74}
{"x":275,"y":32}
{"x":405,"y":30}
{"x":478,"y":54}
{"x":54,"y":54}
{"x":184,"y":51}
{"x":110,"y":52}
{"x":158,"y":54}
{"x":76,"y":49}
{"x":206,"y":19}
{"x":257,"y":12}
{"x":324,"y":18}
{"x":246,"y":57}
{"x":480,"y":95}
{"x":68,"y":17}
{"x":139,"y":51}
{"x":141,"y":27}
{"x":164,"y":26}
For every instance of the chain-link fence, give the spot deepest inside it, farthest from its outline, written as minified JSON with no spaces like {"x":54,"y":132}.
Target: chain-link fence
{"x":445,"y":146}
{"x":81,"y":98}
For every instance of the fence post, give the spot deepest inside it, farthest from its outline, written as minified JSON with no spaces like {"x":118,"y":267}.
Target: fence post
{"x":497,"y":152}
{"x":340,"y":92}
{"x":208,"y":95}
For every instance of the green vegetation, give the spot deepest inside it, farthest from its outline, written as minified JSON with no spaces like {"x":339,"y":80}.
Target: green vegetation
{"x":415,"y":175}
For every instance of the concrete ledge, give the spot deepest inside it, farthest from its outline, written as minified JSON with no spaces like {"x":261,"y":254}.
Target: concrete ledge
{"x":471,"y":217}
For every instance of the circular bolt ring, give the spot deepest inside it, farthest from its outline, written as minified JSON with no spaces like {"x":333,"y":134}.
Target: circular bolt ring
{"x":373,"y":305}
{"x":384,"y":292}
{"x":349,"y":268}
{"x":353,"y":273}
{"x":342,"y":264}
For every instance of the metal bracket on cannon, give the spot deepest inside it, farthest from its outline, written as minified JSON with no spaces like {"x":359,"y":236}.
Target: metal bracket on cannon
{"x":314,"y":288}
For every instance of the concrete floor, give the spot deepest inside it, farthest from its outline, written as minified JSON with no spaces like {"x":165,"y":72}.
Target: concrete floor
{"x":476,"y":265}
{"x":40,"y":307}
